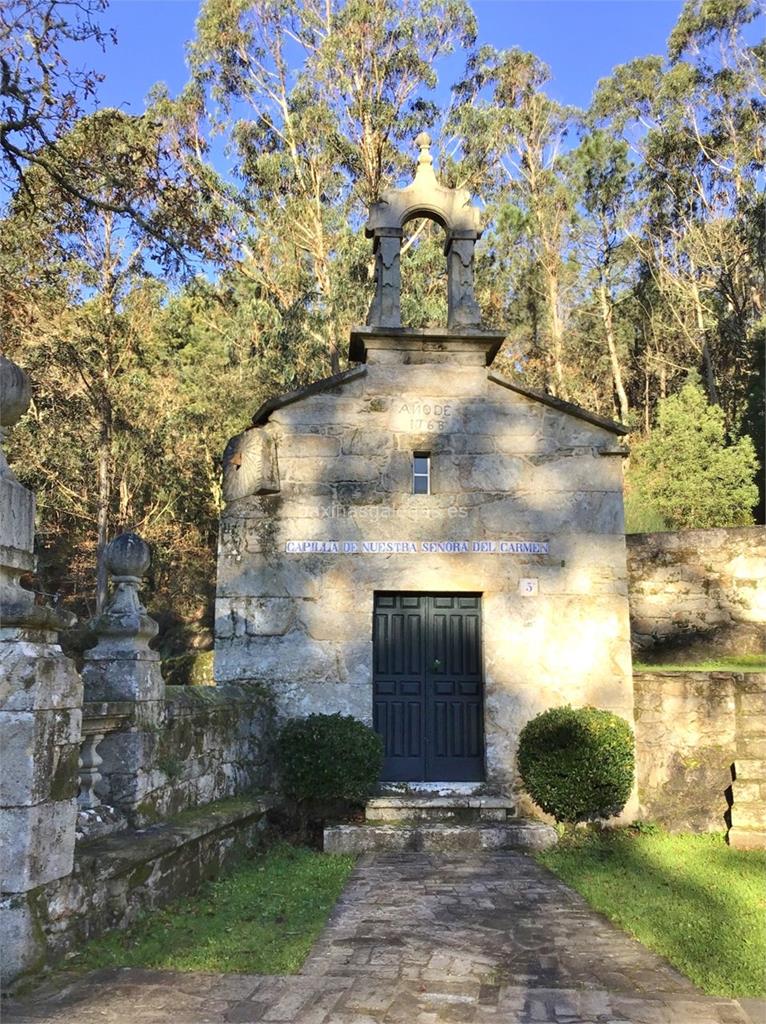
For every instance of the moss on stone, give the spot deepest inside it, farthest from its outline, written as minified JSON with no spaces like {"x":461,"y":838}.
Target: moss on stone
{"x":147,"y":812}
{"x":140,"y":875}
{"x":65,"y":778}
{"x":228,"y":805}
{"x":192,"y":669}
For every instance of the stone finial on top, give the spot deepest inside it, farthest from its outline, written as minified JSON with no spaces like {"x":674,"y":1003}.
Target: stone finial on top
{"x":425,"y":160}
{"x":449,"y":207}
{"x":125,"y":629}
{"x":128,"y":558}
{"x":424,"y":197}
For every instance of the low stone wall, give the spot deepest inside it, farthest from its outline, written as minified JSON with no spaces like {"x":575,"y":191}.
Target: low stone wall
{"x":701,"y":751}
{"x":698,"y":590}
{"x":203,"y":746}
{"x":208,"y":744}
{"x":116,"y":878}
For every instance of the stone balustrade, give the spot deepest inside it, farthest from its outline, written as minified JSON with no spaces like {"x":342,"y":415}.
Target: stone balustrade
{"x":97,"y":815}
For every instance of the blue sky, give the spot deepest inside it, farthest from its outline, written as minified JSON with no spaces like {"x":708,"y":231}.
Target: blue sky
{"x":582,"y":40}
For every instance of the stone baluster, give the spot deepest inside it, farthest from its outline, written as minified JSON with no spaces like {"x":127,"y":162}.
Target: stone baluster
{"x":40,"y":718}
{"x":123,"y":668}
{"x":90,"y":776}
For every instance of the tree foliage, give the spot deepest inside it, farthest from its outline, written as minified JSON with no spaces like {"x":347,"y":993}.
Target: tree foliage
{"x":688,"y":472}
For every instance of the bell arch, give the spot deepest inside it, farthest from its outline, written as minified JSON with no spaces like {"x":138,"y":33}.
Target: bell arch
{"x":452,"y":209}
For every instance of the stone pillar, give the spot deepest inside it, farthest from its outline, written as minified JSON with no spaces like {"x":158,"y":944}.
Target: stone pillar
{"x":123,"y":668}
{"x":386,"y":308}
{"x":40,"y":718}
{"x":462,"y":307}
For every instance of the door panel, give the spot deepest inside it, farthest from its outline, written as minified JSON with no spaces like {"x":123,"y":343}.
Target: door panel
{"x":428,"y":699}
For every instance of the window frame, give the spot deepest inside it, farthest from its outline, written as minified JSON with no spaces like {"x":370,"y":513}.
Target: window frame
{"x":416,"y":475}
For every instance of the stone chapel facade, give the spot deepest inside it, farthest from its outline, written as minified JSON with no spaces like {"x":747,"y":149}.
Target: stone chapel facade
{"x":421,"y":543}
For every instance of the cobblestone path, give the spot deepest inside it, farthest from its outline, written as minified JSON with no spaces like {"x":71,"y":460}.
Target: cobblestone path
{"x":421,"y":939}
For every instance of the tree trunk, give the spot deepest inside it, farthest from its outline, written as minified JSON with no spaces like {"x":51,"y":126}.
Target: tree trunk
{"x":102,"y":517}
{"x":606,"y":316}
{"x":556,"y":335}
{"x":322,"y":277}
{"x":647,"y":420}
{"x":334,"y":354}
{"x":104,"y":472}
{"x":707,"y":360}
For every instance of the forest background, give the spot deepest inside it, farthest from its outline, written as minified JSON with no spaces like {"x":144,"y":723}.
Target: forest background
{"x":162,"y":273}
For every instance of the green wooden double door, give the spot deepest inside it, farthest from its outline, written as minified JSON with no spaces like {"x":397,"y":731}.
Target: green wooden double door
{"x":428,"y":686}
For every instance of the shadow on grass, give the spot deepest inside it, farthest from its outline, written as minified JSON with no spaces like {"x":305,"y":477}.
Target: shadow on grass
{"x":689,"y":897}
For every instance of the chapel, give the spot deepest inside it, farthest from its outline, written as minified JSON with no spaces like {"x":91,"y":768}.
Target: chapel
{"x":422,"y":543}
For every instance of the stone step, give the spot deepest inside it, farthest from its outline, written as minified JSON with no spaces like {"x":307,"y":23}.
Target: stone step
{"x":458,"y":808}
{"x":439,"y":837}
{"x":743,"y":838}
{"x":750,"y":814}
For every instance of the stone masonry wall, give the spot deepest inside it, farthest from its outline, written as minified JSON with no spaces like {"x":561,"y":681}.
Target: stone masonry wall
{"x":695,"y":591}
{"x":117,"y":878}
{"x":701,"y":750}
{"x":211,"y":744}
{"x":504,"y":467}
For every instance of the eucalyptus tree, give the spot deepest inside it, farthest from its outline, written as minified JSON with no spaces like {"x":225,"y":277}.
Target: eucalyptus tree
{"x":42,"y":91}
{"x":696,"y":124}
{"x":600,"y":174}
{"x":318,"y":99}
{"x":512,"y":135}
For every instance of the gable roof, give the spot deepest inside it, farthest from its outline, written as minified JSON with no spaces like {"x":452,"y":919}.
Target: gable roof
{"x":264,"y":411}
{"x":325,"y":384}
{"x":559,"y":405}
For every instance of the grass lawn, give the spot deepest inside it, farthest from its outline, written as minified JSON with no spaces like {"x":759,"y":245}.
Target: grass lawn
{"x":691,"y":898}
{"x":260,"y":919}
{"x":738,"y":663}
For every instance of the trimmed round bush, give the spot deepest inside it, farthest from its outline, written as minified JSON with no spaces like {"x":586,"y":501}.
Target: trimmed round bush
{"x":329,"y":758}
{"x":577,"y":763}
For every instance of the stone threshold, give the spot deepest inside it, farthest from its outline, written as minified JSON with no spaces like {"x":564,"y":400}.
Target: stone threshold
{"x":458,"y":808}
{"x":445,"y":789}
{"x":426,"y":800}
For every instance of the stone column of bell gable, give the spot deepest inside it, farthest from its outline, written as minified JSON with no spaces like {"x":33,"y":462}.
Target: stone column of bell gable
{"x":385,"y":309}
{"x":40,"y":719}
{"x":122,"y":667}
{"x":462,"y":307}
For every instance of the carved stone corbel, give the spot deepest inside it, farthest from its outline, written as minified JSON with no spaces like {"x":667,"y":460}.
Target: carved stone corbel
{"x":250,"y":465}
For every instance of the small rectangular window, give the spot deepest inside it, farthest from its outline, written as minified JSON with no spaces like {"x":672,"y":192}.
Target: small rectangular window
{"x":421,"y":473}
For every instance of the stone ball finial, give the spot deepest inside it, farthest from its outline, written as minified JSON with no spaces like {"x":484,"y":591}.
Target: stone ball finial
{"x":423,"y":141}
{"x":15,"y":394}
{"x":128,"y":555}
